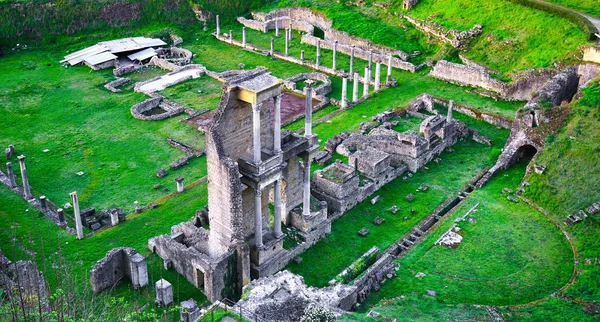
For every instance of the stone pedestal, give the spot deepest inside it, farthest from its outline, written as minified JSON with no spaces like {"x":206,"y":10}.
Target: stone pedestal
{"x":189,"y":311}
{"x":180,"y":186}
{"x":164,"y":293}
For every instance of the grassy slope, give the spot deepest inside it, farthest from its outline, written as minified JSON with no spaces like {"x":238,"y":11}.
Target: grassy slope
{"x":533,"y":38}
{"x":590,"y":7}
{"x":343,"y":246}
{"x":498,"y":262}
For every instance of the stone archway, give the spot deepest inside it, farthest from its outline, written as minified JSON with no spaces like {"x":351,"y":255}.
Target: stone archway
{"x":525,"y":153}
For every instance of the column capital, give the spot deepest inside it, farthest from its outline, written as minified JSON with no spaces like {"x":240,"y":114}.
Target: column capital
{"x":21,"y":158}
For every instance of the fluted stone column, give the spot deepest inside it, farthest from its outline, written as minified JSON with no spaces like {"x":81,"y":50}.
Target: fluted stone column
{"x":244,"y":36}
{"x":355,"y":88}
{"x":450,"y":108}
{"x":352,"y":59}
{"x":256,"y":132}
{"x":78,"y":223}
{"x":344,"y":102}
{"x":286,"y":44}
{"x":389,"y":69}
{"x":377,"y":76}
{"x":26,"y":187}
{"x":318,"y":62}
{"x":277,"y":215}
{"x":366,"y":82}
{"x":258,"y":218}
{"x":272,"y":46}
{"x":334,"y":55}
{"x":180,"y":186}
{"x":218,"y":26}
{"x":11,"y":175}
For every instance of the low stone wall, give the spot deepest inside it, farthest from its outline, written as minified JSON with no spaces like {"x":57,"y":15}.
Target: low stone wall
{"x":112,"y":86}
{"x":452,"y":36}
{"x":183,"y":55}
{"x":466,"y":76}
{"x":139,"y":109}
{"x":120,"y":71}
{"x":487,"y":117}
{"x":119,"y":263}
{"x":592,"y":54}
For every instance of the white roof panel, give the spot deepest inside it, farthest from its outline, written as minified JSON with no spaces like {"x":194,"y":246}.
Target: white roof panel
{"x":143,"y":54}
{"x":149,"y":42}
{"x":78,"y":56}
{"x":99,"y":58}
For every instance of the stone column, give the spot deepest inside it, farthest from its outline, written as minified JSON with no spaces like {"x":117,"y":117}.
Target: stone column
{"x":286,"y":44}
{"x":306,"y":196}
{"x":450,"y":108}
{"x":244,"y":36}
{"x":334,"y":55}
{"x":78,"y":224}
{"x":352,"y":59}
{"x":290,"y":31}
{"x":26,"y":187}
{"x":43,"y":202}
{"x":344,"y":101}
{"x":231,"y":36}
{"x":377,"y":76}
{"x":218,"y":26}
{"x":318,"y":62}
{"x":277,"y":129}
{"x":256,"y":132}
{"x":366,"y":82}
{"x":355,"y":88}
{"x":308,"y":108}
{"x":114,"y":218}
{"x":370,"y":60}
{"x":272,"y":45}
{"x":277,"y":215}
{"x":11,"y":175}
{"x":302,"y":55}
{"x":258,"y":218}
{"x":61,"y":217}
{"x":277,"y":29}
{"x":389,"y":69}
{"x":180,"y":186}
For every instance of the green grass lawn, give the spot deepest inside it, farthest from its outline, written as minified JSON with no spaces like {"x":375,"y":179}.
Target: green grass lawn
{"x":500,"y":261}
{"x":514,"y":37}
{"x":589,"y":7}
{"x":445,"y":179}
{"x":200,"y":93}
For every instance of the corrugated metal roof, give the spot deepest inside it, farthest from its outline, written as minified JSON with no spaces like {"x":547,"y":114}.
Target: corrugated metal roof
{"x":113,"y":46}
{"x":78,"y":56}
{"x":143,"y":54}
{"x":100,"y":58}
{"x":149,"y":42}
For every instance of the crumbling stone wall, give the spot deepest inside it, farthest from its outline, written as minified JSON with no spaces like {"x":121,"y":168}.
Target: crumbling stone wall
{"x":592,"y":54}
{"x":452,"y":36}
{"x":139,"y":109}
{"x":112,"y":86}
{"x":466,"y":76}
{"x":119,"y":263}
{"x":25,"y":283}
{"x":587,"y":72}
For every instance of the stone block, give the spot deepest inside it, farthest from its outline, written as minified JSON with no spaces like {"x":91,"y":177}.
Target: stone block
{"x":375,"y":200}
{"x":164,"y":293}
{"x":363,"y":232}
{"x":161,"y":173}
{"x":189,"y":311}
{"x":378,"y":221}
{"x":410,"y":197}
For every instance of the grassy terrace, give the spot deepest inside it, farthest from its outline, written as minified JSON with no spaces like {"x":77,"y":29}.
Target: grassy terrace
{"x":344,"y":245}
{"x":499,"y":262}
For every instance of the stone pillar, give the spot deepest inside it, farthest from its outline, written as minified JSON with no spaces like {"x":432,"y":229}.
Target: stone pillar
{"x":164,"y":293}
{"x":272,"y":45}
{"x":286,"y":44}
{"x":389,"y":69}
{"x":308,"y":108}
{"x":302,"y":55}
{"x":334,"y":55}
{"x":344,"y":101}
{"x":256,"y":132}
{"x":218,"y":26}
{"x":306,"y":195}
{"x":244,"y":36}
{"x":43,"y":202}
{"x":370,"y":60}
{"x":258,"y":218}
{"x":139,"y":271}
{"x":231,"y":36}
{"x":355,"y":88}
{"x":290,"y":31}
{"x":366,"y":82}
{"x":61,"y":217}
{"x":277,"y":215}
{"x":277,"y":127}
{"x":277,"y":29}
{"x":26,"y":187}
{"x":11,"y":175}
{"x":318,"y":62}
{"x":78,"y":224}
{"x":450,"y":108}
{"x":377,"y":76}
{"x":180,"y":186}
{"x":352,"y":59}
{"x":114,"y":218}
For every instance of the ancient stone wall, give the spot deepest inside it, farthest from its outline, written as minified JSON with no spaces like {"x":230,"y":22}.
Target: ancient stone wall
{"x":592,"y":54}
{"x":466,"y":76}
{"x":451,"y":36}
{"x":138,"y":110}
{"x":587,"y":72}
{"x":23,"y":281}
{"x":119,"y":263}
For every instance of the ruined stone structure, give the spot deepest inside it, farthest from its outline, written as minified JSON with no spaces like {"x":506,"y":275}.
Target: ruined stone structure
{"x":452,"y":36}
{"x":592,"y":54}
{"x":24,"y":285}
{"x":533,"y":123}
{"x":250,"y":165}
{"x":381,"y":156}
{"x":117,"y":264}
